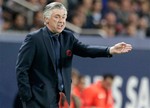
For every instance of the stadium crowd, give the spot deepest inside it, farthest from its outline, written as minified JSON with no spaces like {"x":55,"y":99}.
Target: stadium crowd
{"x":125,"y":18}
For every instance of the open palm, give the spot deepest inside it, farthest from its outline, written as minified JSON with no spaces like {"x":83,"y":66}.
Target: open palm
{"x":120,"y":48}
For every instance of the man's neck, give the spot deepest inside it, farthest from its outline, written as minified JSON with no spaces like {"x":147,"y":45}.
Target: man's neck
{"x":53,"y":32}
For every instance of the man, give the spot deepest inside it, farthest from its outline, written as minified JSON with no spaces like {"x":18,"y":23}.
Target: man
{"x":99,"y":94}
{"x":45,"y":59}
{"x":77,"y":90}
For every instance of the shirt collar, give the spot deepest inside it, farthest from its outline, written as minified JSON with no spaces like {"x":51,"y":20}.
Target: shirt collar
{"x":51,"y":34}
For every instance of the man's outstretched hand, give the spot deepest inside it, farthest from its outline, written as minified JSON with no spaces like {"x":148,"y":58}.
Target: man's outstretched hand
{"x":120,"y":48}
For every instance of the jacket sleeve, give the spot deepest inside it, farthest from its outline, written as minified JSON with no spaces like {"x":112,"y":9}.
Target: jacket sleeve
{"x":83,"y":50}
{"x":24,"y":62}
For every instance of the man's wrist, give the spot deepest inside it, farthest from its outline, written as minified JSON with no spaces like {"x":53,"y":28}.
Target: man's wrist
{"x":109,"y":51}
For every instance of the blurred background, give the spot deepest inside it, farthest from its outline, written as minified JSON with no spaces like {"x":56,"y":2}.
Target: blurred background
{"x":97,"y":22}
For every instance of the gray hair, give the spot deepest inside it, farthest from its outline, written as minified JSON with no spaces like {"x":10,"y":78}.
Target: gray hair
{"x":54,"y":5}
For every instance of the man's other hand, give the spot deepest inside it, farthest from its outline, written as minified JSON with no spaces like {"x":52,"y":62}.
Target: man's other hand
{"x":120,"y":48}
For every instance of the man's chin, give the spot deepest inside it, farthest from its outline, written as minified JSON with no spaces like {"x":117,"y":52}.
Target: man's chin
{"x":59,"y":31}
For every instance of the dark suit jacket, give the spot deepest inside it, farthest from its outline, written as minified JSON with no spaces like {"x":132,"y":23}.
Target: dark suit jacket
{"x":35,"y":68}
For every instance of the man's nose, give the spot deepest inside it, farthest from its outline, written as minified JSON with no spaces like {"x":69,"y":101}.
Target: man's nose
{"x":61,"y":20}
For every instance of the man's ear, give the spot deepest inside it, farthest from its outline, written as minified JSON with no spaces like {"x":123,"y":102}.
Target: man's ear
{"x":46,"y":20}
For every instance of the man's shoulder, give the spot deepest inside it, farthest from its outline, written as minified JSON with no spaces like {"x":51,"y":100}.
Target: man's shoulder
{"x":94,"y":87}
{"x":91,"y":88}
{"x":36,"y":32}
{"x":67,"y":32}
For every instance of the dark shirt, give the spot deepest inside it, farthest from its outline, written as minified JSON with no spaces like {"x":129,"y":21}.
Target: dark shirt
{"x":57,"y":49}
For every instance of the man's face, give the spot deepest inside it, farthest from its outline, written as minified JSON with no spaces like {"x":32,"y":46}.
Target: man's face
{"x":57,"y":21}
{"x":107,"y":83}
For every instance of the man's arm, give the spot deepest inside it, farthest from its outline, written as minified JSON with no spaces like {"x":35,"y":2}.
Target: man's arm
{"x":24,"y":62}
{"x":83,"y":50}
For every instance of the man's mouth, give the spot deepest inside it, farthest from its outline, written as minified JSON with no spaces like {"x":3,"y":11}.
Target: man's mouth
{"x":59,"y":26}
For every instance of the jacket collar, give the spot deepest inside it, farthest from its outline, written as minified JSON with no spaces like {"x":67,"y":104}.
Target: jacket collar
{"x":51,"y":34}
{"x":48,"y":44}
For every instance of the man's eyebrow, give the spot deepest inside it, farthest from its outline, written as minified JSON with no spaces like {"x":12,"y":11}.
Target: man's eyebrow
{"x":60,"y":15}
{"x":65,"y":15}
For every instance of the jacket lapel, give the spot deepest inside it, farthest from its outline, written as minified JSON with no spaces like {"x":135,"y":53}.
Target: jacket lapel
{"x":48,"y":43}
{"x":62,"y":48}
